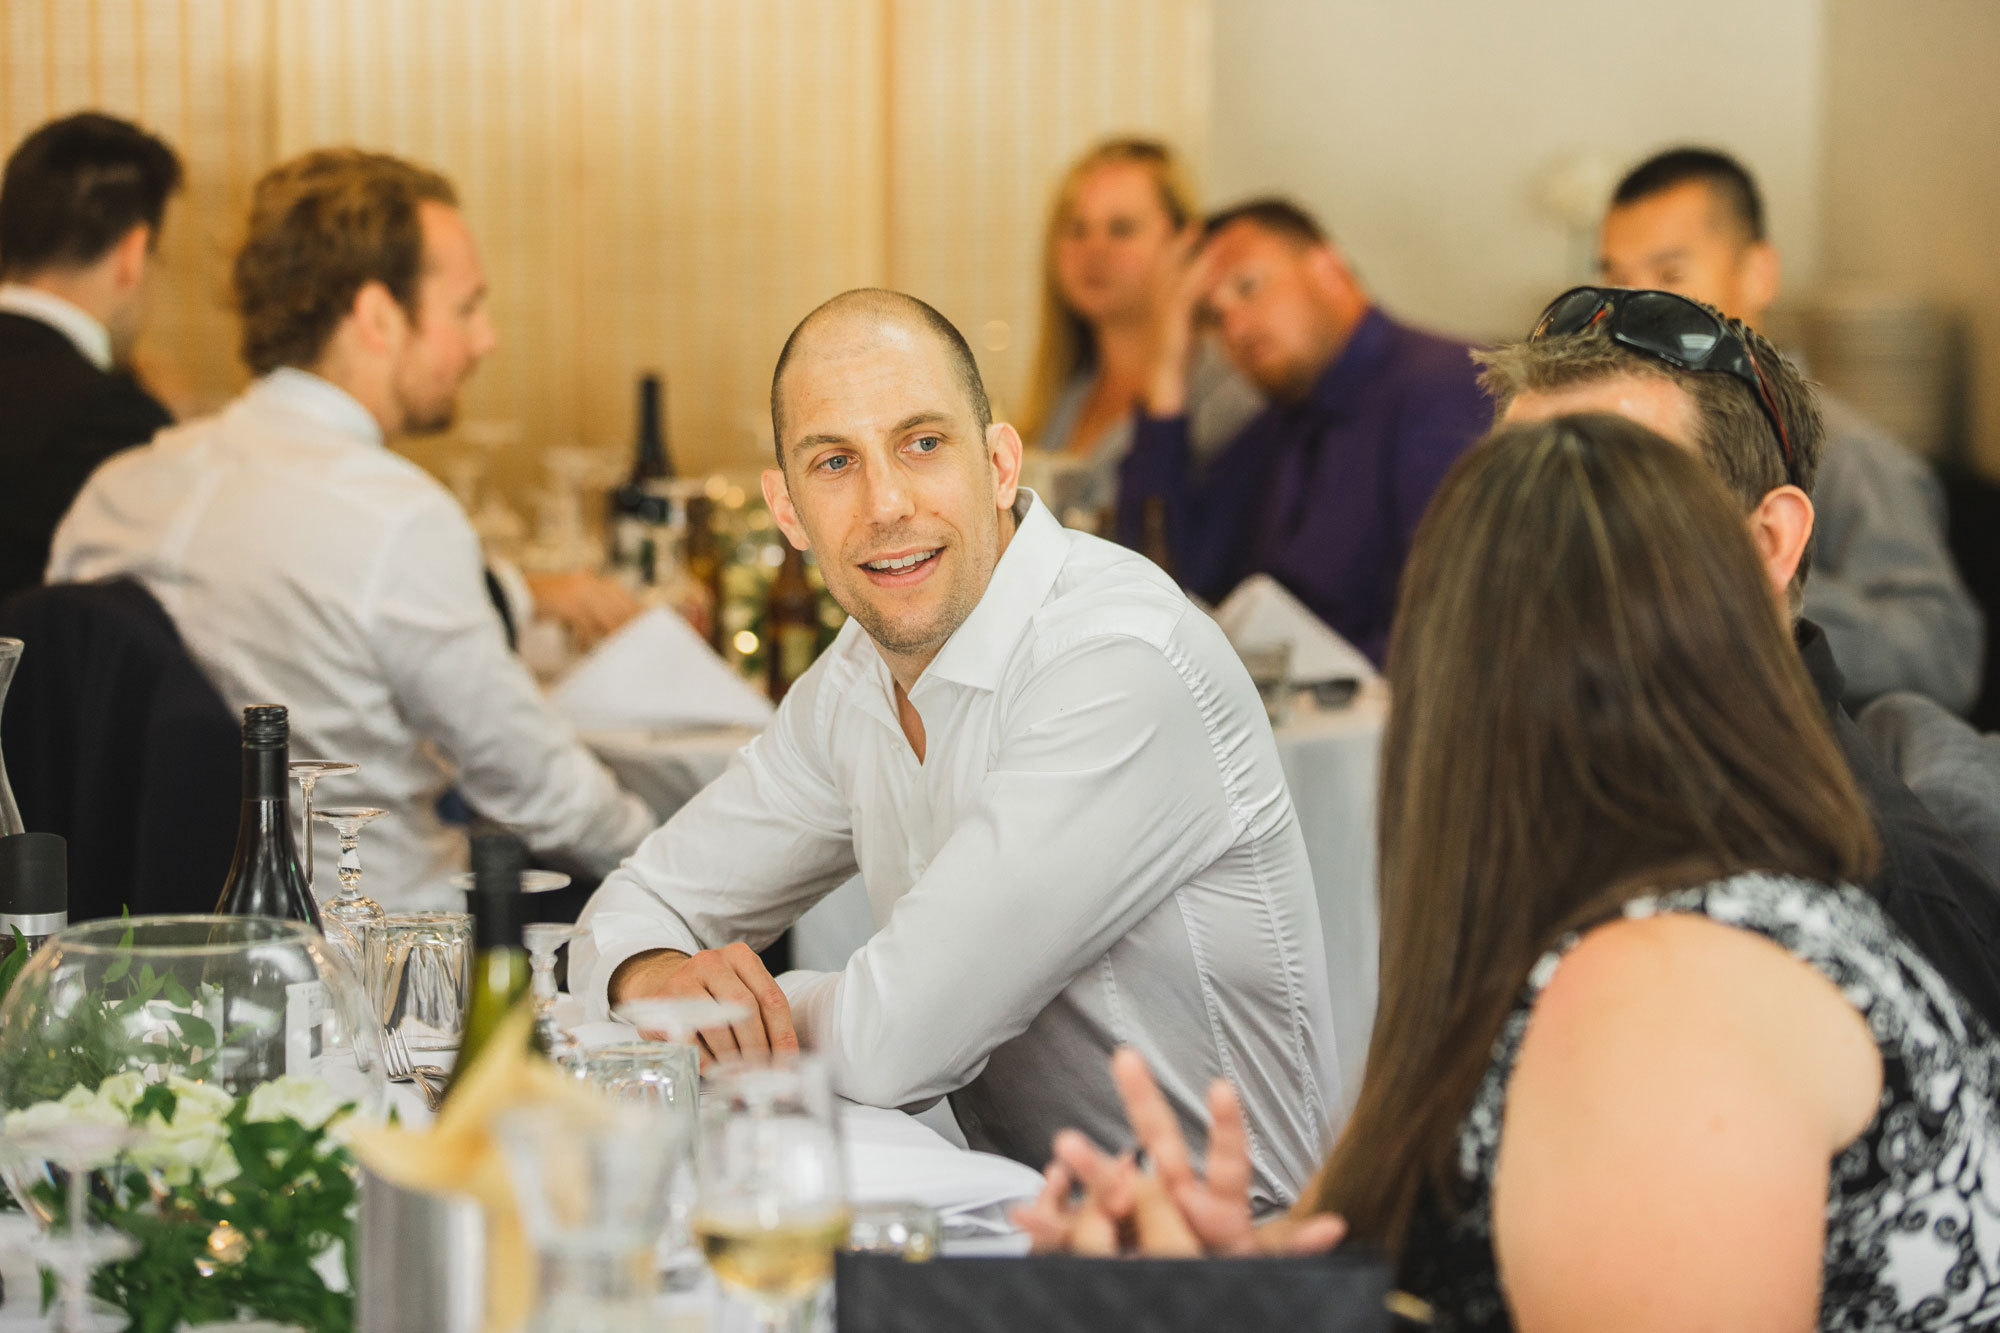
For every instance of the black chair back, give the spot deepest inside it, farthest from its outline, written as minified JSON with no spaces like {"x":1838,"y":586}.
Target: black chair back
{"x":114,"y":739}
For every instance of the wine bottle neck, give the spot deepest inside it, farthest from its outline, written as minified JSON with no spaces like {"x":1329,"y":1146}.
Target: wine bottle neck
{"x":266,"y":775}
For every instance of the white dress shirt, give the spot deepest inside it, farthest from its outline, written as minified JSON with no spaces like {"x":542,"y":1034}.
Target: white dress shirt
{"x":306,"y":564}
{"x":84,"y":330}
{"x":1097,"y":849}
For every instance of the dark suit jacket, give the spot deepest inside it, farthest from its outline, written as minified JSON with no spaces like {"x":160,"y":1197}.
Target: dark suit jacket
{"x":60,"y":416}
{"x":115,"y":740}
{"x":1929,"y":883}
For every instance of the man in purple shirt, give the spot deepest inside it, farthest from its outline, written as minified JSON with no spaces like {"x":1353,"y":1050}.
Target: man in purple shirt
{"x":1323,"y":489}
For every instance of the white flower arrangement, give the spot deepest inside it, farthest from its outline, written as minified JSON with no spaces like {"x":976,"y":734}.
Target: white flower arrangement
{"x":196,"y":1139}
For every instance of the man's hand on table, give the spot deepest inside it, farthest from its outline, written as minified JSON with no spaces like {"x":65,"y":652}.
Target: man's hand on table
{"x":733,"y":974}
{"x":591,"y":606}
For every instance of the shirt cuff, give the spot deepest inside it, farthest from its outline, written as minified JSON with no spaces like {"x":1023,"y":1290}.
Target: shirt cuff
{"x":811,"y":996}
{"x":614,"y":938}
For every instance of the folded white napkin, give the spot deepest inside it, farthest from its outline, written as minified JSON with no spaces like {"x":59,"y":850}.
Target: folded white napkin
{"x":658,"y":674}
{"x":1260,"y":612}
{"x":893,"y":1158}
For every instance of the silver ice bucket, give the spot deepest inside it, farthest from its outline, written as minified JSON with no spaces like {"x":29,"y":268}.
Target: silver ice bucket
{"x":423,"y":1261}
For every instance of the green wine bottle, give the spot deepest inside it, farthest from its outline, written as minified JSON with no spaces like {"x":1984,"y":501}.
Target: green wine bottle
{"x":500,"y":972}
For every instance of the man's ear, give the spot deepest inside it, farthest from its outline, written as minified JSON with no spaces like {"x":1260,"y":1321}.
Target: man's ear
{"x":1003,"y":449}
{"x":129,"y":255}
{"x":778,"y":499}
{"x":1759,"y":276}
{"x":380,"y":321}
{"x":1780,"y":527}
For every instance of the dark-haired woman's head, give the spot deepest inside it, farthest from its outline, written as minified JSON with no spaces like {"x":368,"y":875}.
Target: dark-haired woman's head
{"x":1595,"y":695}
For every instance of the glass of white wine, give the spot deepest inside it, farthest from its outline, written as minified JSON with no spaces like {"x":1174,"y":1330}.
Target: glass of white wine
{"x":770,"y":1187}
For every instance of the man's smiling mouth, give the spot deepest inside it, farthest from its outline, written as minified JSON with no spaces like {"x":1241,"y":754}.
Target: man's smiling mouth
{"x":900,"y":563}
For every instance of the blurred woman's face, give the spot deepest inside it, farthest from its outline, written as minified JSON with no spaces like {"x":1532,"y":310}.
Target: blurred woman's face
{"x":1115,"y":245}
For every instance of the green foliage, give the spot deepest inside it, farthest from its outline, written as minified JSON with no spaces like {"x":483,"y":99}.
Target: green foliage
{"x":294,"y":1202}
{"x":16,"y":959}
{"x":92,"y":1041}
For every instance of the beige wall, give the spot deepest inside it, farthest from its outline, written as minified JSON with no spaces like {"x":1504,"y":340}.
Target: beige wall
{"x":1913,"y":168}
{"x":1418,"y":128}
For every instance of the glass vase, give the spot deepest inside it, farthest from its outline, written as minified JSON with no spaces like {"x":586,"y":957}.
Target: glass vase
{"x":10,"y":814}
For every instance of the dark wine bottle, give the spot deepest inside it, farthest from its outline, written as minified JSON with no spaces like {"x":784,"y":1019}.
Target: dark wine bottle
{"x":500,"y":972}
{"x":651,"y":458}
{"x":704,"y":561}
{"x":265,"y":878}
{"x":638,"y":508}
{"x":34,"y":888}
{"x":791,"y":624}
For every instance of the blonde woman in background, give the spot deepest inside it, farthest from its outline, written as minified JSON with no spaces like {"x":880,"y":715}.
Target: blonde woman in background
{"x":1124,"y":222}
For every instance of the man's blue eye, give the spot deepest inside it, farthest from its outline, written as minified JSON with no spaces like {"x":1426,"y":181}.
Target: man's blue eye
{"x":838,"y":463}
{"x":927,"y":443}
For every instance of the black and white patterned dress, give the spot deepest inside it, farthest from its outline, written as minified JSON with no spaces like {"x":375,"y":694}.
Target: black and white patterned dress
{"x":1913,"y":1204}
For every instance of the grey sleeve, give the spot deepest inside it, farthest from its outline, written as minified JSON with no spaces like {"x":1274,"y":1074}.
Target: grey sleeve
{"x":1883,"y":585}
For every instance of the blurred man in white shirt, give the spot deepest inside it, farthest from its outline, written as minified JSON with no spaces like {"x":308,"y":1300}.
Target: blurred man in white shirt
{"x":1052,"y":773}
{"x":306,"y":564}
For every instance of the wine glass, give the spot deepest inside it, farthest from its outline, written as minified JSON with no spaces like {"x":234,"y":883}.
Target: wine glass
{"x":680,"y":1017}
{"x":362,"y":916}
{"x":77,"y":1248}
{"x":307,"y":773}
{"x":771,"y":1194}
{"x":543,"y":938}
{"x":532,"y":881}
{"x":590,"y":1182}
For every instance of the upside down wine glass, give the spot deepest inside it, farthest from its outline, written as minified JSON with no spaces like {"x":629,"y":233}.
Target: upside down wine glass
{"x":543,"y":938}
{"x":79,"y":1246}
{"x":363,"y":917}
{"x":307,"y":773}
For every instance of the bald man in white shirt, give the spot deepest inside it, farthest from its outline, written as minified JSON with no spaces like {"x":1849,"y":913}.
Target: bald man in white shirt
{"x":306,"y":563}
{"x":1049,"y":768}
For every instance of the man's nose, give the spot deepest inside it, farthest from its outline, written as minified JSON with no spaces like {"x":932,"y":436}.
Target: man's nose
{"x":889,"y":494}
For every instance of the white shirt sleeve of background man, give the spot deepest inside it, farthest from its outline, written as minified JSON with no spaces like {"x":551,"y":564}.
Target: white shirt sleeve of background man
{"x":1104,"y":796}
{"x":456,"y":684}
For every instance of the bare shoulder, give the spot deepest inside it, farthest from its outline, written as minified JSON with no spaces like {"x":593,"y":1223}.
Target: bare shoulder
{"x":1676,"y":1101}
{"x":1665,"y":1002}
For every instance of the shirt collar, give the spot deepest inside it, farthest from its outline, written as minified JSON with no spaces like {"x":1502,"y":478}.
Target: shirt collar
{"x":1363,"y":352}
{"x":75,"y":323}
{"x":302,"y":393}
{"x":977,"y":653}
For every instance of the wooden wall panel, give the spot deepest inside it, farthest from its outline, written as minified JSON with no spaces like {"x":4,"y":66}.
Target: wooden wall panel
{"x":662,"y":184}
{"x":198,"y":73}
{"x":992,"y":99}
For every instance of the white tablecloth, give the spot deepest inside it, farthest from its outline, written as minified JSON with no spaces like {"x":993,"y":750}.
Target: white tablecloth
{"x":1330,"y":758}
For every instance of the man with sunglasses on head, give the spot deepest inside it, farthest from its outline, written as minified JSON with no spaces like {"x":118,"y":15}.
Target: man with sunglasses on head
{"x":1720,"y":388}
{"x":1690,"y":220}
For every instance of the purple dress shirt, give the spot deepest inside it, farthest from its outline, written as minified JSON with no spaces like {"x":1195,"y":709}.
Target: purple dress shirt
{"x":1323,"y":494}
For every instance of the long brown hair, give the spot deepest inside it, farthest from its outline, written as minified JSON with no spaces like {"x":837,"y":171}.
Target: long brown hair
{"x":1066,"y":343}
{"x":1595,"y":696}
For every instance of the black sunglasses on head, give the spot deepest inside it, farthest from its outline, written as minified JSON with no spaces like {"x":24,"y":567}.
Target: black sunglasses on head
{"x":1667,"y":328}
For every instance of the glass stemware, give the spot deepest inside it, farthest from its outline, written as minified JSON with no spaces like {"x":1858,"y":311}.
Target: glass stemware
{"x":543,"y":938}
{"x":591,"y":1185}
{"x":771,"y":1194}
{"x":307,"y":773}
{"x":532,"y":881}
{"x":362,"y":916}
{"x":679,"y":1018}
{"x":77,"y":1247}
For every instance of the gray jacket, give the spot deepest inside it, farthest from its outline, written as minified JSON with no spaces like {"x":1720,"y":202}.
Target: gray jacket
{"x":1882,"y":583}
